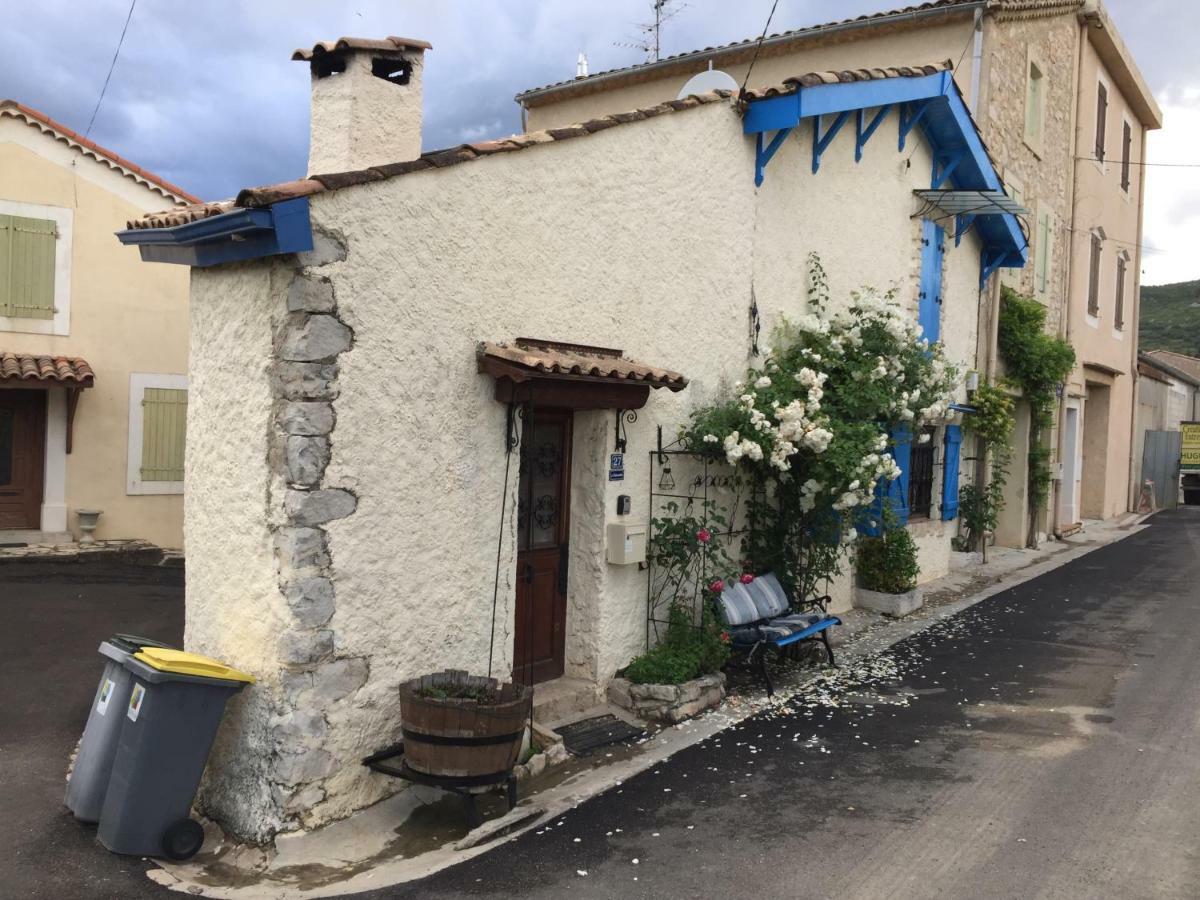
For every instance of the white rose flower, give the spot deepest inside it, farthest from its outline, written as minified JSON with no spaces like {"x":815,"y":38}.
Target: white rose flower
{"x":763,"y":382}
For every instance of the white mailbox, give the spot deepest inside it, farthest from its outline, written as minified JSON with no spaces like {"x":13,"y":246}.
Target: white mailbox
{"x":626,"y":544}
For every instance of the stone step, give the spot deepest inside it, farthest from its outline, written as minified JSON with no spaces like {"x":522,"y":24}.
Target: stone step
{"x":32,"y":537}
{"x":554,"y":701}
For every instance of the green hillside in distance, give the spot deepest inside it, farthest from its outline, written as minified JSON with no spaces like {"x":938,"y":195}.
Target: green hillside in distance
{"x":1170,"y":317}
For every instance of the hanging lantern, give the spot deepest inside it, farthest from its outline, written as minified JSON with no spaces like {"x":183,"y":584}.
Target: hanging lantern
{"x":666,"y":481}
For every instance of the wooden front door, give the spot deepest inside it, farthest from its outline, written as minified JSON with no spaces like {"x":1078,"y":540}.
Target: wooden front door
{"x":22,"y":457}
{"x":543,"y":526}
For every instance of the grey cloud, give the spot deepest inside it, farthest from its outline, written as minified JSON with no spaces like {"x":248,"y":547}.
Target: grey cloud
{"x":205,"y":95}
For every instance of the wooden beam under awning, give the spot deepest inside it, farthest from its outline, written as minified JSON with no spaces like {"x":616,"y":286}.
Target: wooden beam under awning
{"x":571,"y":376}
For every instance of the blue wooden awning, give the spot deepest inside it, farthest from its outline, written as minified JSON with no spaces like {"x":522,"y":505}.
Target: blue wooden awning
{"x":931,"y":102}
{"x":239,"y":234}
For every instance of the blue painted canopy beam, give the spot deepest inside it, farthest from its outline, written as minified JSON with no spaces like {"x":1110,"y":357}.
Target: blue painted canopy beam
{"x":931,"y":101}
{"x":990,"y":260}
{"x":762,"y":155}
{"x":863,"y":130}
{"x":821,"y":142}
{"x":944,"y":165}
{"x":910,"y":115}
{"x":229,"y":237}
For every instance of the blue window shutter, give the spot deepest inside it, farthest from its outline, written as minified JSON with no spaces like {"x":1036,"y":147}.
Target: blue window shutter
{"x":902,"y":453}
{"x":929,"y":312}
{"x":950,"y":473}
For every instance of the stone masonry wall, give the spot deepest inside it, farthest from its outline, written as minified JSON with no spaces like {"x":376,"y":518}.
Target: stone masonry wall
{"x":308,"y":342}
{"x":1043,"y":173}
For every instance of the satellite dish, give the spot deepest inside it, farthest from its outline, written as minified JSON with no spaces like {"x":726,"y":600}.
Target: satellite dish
{"x":712,"y":80}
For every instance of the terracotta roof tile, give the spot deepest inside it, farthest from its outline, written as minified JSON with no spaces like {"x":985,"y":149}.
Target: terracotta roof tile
{"x":391,"y":43}
{"x":540,"y":357}
{"x":691,"y":61}
{"x":67,"y":370}
{"x":101,"y":154}
{"x":1188,"y":365}
{"x":809,"y":79}
{"x":315,"y":184}
{"x":736,"y":48}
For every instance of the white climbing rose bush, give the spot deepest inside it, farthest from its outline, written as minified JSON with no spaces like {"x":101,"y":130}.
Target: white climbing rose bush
{"x":812,"y":423}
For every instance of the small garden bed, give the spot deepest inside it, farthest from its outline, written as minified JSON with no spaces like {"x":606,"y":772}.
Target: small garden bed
{"x":668,"y":702}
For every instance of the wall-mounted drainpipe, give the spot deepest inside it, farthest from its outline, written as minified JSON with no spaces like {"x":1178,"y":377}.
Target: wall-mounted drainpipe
{"x":976,"y":63}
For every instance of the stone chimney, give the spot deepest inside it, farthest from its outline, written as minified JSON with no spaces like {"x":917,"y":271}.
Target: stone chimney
{"x":366,"y":102}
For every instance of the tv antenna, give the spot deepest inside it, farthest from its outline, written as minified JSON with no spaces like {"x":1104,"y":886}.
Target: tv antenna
{"x":650,"y":33}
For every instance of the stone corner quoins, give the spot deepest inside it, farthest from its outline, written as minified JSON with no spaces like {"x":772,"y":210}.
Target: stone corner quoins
{"x":307,"y":346}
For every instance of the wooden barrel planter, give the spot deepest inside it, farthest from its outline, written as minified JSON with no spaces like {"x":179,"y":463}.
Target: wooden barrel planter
{"x":457,"y":725}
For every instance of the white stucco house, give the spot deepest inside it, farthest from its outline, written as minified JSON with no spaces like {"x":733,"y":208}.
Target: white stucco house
{"x":372,"y":344}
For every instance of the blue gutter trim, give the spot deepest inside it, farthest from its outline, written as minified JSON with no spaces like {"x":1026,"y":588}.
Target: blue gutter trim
{"x":229,"y":237}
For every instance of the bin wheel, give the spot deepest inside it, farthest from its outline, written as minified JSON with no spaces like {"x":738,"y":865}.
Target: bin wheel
{"x":182,"y":840}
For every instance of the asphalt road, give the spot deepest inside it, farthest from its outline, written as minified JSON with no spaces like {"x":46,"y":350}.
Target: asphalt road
{"x":1041,"y":744}
{"x":1048,"y":748}
{"x":54,"y":616}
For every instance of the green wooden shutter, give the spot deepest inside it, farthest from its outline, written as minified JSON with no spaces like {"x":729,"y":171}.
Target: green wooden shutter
{"x":164,"y":428}
{"x":27,"y":267}
{"x":1041,"y":260}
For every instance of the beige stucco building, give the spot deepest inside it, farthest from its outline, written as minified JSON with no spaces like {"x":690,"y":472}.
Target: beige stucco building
{"x":93,"y":345}
{"x":1035,"y":75}
{"x":366,"y":501}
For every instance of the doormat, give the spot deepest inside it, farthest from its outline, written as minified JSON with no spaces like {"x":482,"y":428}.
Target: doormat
{"x":586,"y":735}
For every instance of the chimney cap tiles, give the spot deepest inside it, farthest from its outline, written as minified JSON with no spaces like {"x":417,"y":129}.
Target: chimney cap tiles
{"x":390,"y":44}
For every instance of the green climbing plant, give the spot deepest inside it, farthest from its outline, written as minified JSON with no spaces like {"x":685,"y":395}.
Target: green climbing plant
{"x":979,"y":504}
{"x":1037,"y":363}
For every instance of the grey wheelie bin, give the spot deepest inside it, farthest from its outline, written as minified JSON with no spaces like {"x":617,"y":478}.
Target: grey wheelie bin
{"x":169,"y":723}
{"x":89,"y":777}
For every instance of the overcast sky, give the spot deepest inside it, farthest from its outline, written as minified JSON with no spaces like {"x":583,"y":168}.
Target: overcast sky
{"x":204,"y":93}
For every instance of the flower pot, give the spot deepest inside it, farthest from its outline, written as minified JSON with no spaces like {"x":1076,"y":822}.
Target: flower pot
{"x":463,"y":737}
{"x":88,"y":520}
{"x":889,"y":604}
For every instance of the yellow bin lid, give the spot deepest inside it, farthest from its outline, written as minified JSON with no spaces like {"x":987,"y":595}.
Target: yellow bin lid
{"x":181,"y":663}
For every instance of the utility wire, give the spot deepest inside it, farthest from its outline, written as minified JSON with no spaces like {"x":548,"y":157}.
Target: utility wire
{"x":112,"y":66}
{"x":1118,"y":162}
{"x":758,"y":47}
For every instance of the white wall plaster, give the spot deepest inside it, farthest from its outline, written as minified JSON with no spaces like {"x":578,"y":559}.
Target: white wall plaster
{"x":662,"y":264}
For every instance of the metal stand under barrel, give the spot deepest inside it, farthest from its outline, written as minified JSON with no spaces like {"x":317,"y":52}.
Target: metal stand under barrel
{"x":390,"y":761}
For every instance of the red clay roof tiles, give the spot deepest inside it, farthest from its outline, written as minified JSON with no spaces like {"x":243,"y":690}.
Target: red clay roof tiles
{"x":391,"y":43}
{"x":68,"y":136}
{"x":549,"y":358}
{"x":316,"y":184}
{"x":67,"y":370}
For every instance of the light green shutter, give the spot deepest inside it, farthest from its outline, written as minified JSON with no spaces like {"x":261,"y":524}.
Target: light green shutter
{"x":164,"y":428}
{"x":1041,"y":262}
{"x":27,"y":267}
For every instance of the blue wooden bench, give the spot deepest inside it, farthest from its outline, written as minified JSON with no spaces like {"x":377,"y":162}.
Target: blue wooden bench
{"x":757,"y":617}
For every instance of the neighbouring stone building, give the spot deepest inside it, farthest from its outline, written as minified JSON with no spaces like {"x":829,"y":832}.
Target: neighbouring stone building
{"x":93,"y":344}
{"x":403,"y":405}
{"x":1064,"y":111}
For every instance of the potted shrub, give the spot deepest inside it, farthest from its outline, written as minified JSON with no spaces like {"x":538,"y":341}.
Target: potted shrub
{"x":887,"y":573}
{"x":458,"y":725}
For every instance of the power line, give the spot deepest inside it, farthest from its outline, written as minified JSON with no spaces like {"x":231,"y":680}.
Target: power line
{"x":1111,"y":240}
{"x":1171,"y":165}
{"x":112,"y":66}
{"x":761,"y":38}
